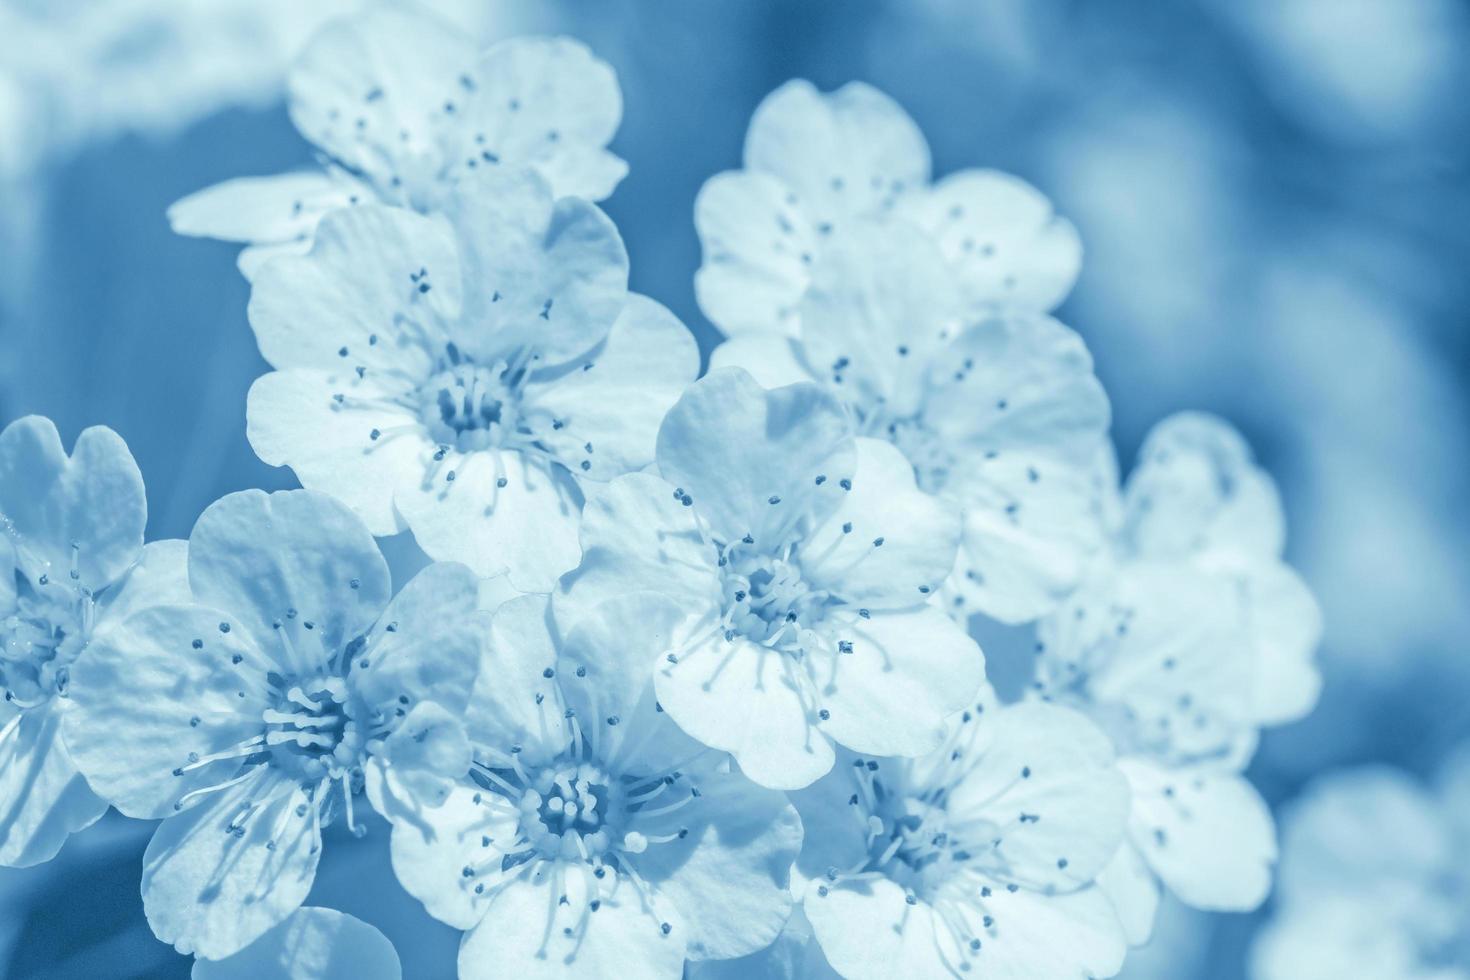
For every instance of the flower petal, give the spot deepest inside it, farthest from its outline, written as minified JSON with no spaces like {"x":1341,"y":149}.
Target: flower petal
{"x":636,"y":535}
{"x":1002,"y":237}
{"x":608,"y":404}
{"x":847,"y":152}
{"x":313,"y":944}
{"x":212,"y":890}
{"x":527,"y":527}
{"x":881,"y":306}
{"x":9,"y":587}
{"x":375,"y":291}
{"x":1286,"y":625}
{"x":433,"y":845}
{"x":793,"y":956}
{"x":728,"y":877}
{"x":831,"y":838}
{"x":773,"y":359}
{"x":1042,"y":936}
{"x":906,"y":672}
{"x":1197,"y":488}
{"x":1131,"y":886}
{"x":530,"y":935}
{"x":868,"y":930}
{"x":294,"y":418}
{"x":147,"y":701}
{"x":1016,"y":402}
{"x":261,"y":210}
{"x":43,"y":798}
{"x":888,"y":544}
{"x":757,"y":246}
{"x":540,"y":273}
{"x":161,"y":576}
{"x":84,"y":513}
{"x":1053,"y":764}
{"x":296,"y":569}
{"x":253,"y":258}
{"x":377,"y":90}
{"x":606,"y":668}
{"x":752,"y":702}
{"x":1164,"y":642}
{"x":429,"y":646}
{"x":421,"y":762}
{"x":514,"y":702}
{"x":1020,"y":382}
{"x":755,"y":461}
{"x":548,"y":103}
{"x":1207,"y":834}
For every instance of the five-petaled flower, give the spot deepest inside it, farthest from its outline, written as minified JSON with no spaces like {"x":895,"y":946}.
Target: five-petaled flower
{"x":401,"y":108}
{"x":1189,"y":636}
{"x":816,"y":163}
{"x":74,"y":564}
{"x":804,"y":559}
{"x":592,"y":837}
{"x":998,"y":411}
{"x":248,"y":717}
{"x":465,"y":383}
{"x":977,"y":859}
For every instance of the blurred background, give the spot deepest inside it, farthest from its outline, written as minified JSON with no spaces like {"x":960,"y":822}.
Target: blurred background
{"x":1273,"y":196}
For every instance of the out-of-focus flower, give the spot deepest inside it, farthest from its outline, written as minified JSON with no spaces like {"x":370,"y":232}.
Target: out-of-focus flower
{"x":311,"y":944}
{"x":1187,"y":639}
{"x":462,"y":384}
{"x":978,"y":858}
{"x":1312,"y":58}
{"x":89,"y":69}
{"x":815,"y":162}
{"x":248,"y":716}
{"x":72,"y":565}
{"x":805,"y":560}
{"x":1373,"y":879}
{"x":592,"y":837}
{"x":998,"y":411}
{"x":402,"y":107}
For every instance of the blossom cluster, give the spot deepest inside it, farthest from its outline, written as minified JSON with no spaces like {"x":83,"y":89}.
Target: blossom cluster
{"x":688,"y":683}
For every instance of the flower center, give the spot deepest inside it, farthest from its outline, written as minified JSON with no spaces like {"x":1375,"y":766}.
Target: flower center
{"x":315,"y":731}
{"x":469,"y":406}
{"x":579,"y":815}
{"x":41,"y":639}
{"x":311,"y":730}
{"x":766,"y":599}
{"x":571,"y":810}
{"x":912,"y":838}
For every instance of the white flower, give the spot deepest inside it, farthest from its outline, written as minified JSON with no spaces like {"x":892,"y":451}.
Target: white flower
{"x":804,"y":559}
{"x":1373,"y":879}
{"x":401,"y":108}
{"x":814,"y":162}
{"x":462,"y":384}
{"x":1186,"y":640}
{"x":592,"y":837}
{"x":978,"y":859}
{"x":247,"y":717}
{"x":999,"y":412}
{"x":72,"y":565}
{"x":311,"y":944}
